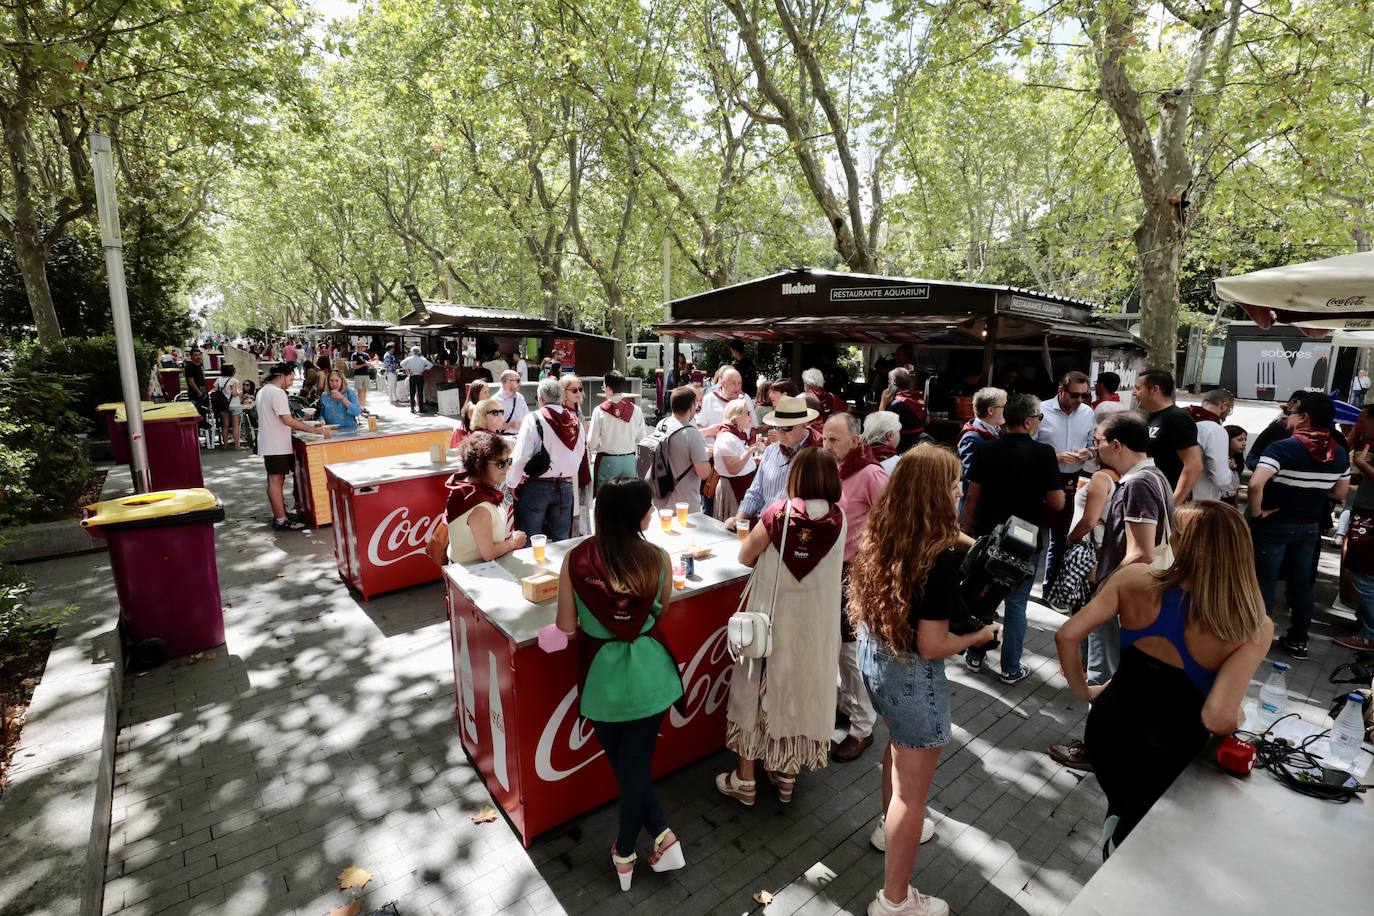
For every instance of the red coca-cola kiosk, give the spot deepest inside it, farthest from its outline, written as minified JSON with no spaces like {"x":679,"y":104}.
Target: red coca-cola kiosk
{"x":384,"y":510}
{"x":516,"y":705}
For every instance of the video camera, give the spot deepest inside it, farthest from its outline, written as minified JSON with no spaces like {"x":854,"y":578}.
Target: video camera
{"x":998,"y":563}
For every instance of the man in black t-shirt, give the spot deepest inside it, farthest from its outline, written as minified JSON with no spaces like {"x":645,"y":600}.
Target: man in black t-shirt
{"x":1173,"y":434}
{"x":1012,"y":475}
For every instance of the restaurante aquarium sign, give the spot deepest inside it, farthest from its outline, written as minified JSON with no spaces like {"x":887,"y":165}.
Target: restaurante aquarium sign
{"x":878,"y":293}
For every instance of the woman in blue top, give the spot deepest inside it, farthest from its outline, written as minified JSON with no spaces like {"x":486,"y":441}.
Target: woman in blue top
{"x":1191,"y":639}
{"x":339,"y":404}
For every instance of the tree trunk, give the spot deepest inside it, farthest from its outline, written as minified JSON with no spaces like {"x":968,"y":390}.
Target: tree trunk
{"x":617,"y":326}
{"x":1159,"y":242}
{"x":29,"y":249}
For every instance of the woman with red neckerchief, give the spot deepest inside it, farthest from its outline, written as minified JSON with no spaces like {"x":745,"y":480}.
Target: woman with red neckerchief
{"x":736,"y":459}
{"x":477,"y":527}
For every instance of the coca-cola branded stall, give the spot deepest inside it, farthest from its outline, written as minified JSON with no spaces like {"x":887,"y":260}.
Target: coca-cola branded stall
{"x":384,"y":510}
{"x":313,"y":452}
{"x":517,"y":705}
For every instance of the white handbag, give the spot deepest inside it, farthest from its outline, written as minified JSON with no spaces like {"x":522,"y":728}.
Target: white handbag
{"x":749,"y":634}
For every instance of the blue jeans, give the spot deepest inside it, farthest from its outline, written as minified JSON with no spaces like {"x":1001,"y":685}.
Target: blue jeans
{"x":1288,"y":549}
{"x":1364,"y":585}
{"x":545,"y":507}
{"x":1013,"y":628}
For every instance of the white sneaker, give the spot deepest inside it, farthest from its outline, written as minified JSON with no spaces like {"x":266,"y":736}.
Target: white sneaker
{"x":879,"y":839}
{"x":915,"y":904}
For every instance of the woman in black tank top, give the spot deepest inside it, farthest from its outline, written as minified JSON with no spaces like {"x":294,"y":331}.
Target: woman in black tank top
{"x":1193,"y":636}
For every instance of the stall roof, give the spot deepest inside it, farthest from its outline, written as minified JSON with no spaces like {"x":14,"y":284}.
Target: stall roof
{"x":827,"y":305}
{"x":470,"y":319}
{"x":355,"y":325}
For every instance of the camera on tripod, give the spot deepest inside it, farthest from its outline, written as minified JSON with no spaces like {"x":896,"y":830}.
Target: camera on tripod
{"x":999,"y":563}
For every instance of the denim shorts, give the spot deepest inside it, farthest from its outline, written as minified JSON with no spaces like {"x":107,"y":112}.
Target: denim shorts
{"x":910,"y":693}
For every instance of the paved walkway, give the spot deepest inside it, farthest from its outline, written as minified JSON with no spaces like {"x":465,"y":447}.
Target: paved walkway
{"x":321,"y":737}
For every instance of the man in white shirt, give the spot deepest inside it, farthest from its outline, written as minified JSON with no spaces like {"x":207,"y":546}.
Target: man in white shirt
{"x":712,"y":413}
{"x":274,"y":440}
{"x":1359,"y":387}
{"x":1067,"y":425}
{"x":1107,"y":400}
{"x":513,"y":406}
{"x":882,"y":432}
{"x":496,"y":366}
{"x":415,"y":366}
{"x":1215,"y":443}
{"x":522,"y":369}
{"x":617,"y":427}
{"x":544,"y":501}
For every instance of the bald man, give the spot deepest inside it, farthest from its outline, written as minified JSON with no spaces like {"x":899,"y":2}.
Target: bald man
{"x":712,"y":413}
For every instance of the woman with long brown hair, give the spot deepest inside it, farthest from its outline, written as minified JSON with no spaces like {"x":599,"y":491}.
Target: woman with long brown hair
{"x":477,"y":393}
{"x":782,"y":708}
{"x":904,"y":588}
{"x":613,"y":587}
{"x":1191,"y":639}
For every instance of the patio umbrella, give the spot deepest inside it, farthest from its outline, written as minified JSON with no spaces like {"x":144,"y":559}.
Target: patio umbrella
{"x":1330,"y":294}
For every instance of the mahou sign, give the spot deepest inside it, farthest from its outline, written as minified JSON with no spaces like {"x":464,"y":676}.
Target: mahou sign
{"x":538,"y":757}
{"x":380,"y":531}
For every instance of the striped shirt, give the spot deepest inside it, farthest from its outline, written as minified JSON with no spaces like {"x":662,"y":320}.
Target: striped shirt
{"x":770,"y":483}
{"x":1300,"y":483}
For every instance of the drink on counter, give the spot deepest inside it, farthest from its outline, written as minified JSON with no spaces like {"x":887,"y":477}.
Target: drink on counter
{"x":539,"y":542}
{"x":682,"y":514}
{"x":742,"y":526}
{"x":371,"y":423}
{"x":679,"y":576}
{"x":665,"y":516}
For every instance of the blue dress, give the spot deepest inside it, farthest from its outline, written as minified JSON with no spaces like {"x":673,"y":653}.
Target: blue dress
{"x":342,"y":415}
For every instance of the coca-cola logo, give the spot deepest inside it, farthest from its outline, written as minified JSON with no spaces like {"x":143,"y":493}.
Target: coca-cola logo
{"x":400,"y":537}
{"x":566,"y":734}
{"x":1353,"y":302}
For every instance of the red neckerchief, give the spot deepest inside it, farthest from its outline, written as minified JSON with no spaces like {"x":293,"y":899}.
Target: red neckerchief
{"x":882,"y":452}
{"x":564,"y":425}
{"x":622,"y":410}
{"x":735,"y":431}
{"x":808,"y":539}
{"x":723,"y":398}
{"x":916,"y":403}
{"x":1201,"y":414}
{"x":1106,"y":398}
{"x":1318,"y":442}
{"x":859,"y":457}
{"x":464,"y":494}
{"x":815,"y":431}
{"x":823,"y":398}
{"x":622,"y":613}
{"x":973,"y":427}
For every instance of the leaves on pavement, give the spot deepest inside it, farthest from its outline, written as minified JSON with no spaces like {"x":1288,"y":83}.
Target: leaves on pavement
{"x":353,"y":876}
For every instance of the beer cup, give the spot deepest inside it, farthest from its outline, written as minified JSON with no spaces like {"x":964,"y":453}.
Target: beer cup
{"x":679,"y":576}
{"x":665,"y":516}
{"x":539,"y":542}
{"x":742,"y":526}
{"x":682,"y":514}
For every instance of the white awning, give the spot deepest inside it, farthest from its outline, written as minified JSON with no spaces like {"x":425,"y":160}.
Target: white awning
{"x":1333,"y":293}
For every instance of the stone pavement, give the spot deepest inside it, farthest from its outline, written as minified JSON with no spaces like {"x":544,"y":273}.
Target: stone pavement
{"x":321,"y":736}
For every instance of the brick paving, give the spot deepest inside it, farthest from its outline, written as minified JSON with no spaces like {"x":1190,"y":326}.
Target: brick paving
{"x":321,"y":736}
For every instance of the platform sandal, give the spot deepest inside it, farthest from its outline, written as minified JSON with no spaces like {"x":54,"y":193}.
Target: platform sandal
{"x":667,"y":854}
{"x":743,"y":791}
{"x":624,"y":868}
{"x":784,"y":785}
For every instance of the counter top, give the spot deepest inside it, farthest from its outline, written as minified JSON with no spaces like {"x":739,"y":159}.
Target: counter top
{"x":498,"y":598}
{"x":362,"y":432}
{"x":372,"y":471}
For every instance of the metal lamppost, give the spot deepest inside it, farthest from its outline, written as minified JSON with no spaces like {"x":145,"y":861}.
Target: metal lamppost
{"x":107,"y":207}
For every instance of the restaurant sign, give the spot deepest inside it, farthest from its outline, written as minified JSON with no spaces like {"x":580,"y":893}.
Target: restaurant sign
{"x":1036,"y":308}
{"x":879,"y":293}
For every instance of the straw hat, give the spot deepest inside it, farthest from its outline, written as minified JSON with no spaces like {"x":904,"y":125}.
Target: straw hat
{"x":790,"y":411}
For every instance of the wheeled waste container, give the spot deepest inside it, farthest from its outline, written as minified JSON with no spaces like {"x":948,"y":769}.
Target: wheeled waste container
{"x":162,"y":548}
{"x":171,"y":432}
{"x":118,"y":435}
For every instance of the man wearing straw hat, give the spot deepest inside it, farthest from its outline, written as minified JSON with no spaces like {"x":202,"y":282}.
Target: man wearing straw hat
{"x":790,"y":417}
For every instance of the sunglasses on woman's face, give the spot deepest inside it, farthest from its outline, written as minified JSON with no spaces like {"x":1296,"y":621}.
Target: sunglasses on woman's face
{"x":503,"y":463}
{"x":574,"y":391}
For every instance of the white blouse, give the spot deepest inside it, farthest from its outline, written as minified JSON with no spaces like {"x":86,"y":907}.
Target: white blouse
{"x":462,"y":547}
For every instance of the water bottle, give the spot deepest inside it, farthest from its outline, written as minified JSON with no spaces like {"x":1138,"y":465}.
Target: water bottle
{"x":1273,"y":696}
{"x":1346,"y":735}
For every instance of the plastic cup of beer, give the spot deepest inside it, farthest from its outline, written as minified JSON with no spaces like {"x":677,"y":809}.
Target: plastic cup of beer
{"x":539,"y":542}
{"x":681,"y":514}
{"x":372,"y":424}
{"x":742,"y":526}
{"x":665,"y":517}
{"x":679,"y":576}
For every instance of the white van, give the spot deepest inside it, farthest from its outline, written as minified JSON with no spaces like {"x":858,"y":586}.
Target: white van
{"x":651,"y":356}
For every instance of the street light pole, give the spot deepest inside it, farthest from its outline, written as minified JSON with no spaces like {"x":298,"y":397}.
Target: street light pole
{"x":107,"y":207}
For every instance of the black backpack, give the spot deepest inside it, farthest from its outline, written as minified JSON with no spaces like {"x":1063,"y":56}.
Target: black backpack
{"x":219,"y":402}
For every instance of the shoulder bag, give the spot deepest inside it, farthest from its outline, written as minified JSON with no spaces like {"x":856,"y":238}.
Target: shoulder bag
{"x":750,"y":633}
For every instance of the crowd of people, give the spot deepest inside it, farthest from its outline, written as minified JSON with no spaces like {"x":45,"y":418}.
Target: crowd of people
{"x":856,"y":530}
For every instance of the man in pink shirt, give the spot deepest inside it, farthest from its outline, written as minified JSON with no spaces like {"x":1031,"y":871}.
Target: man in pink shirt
{"x":862,"y":480}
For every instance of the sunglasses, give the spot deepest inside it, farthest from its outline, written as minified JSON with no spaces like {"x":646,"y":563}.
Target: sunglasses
{"x":1037,"y":416}
{"x":503,"y":463}
{"x":574,"y":390}
{"x":1079,"y":395}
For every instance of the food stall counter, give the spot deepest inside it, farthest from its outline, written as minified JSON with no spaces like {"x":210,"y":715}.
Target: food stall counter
{"x":516,"y":706}
{"x":313,"y":451}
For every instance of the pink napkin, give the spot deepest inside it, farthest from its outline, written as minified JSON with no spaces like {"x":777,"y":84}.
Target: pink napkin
{"x":552,"y":639}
